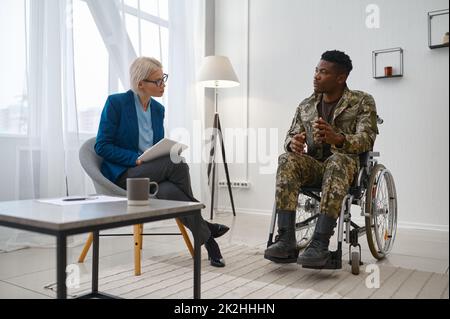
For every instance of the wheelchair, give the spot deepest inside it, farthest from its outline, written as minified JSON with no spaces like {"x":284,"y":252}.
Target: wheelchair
{"x":374,"y":191}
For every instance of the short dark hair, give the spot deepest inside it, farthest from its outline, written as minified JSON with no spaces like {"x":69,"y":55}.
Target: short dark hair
{"x":339,"y":58}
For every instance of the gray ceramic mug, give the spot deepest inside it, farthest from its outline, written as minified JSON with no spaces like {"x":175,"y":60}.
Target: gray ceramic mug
{"x":138,"y":191}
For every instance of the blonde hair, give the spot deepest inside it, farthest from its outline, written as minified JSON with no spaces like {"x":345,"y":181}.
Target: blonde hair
{"x":141,"y":69}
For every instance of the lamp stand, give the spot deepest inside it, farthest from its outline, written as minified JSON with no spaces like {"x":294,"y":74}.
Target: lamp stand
{"x":212,"y":166}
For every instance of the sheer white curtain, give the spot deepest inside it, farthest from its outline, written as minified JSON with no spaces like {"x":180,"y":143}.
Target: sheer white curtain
{"x":48,"y":166}
{"x":185,"y":111}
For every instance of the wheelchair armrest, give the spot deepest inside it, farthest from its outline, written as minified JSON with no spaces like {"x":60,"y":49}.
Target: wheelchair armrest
{"x":365,"y":159}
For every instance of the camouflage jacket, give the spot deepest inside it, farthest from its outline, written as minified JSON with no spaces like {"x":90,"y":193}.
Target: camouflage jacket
{"x":355,"y":117}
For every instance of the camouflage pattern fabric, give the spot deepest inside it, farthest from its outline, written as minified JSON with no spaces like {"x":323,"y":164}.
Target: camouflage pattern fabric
{"x":356,"y":118}
{"x":335,"y":175}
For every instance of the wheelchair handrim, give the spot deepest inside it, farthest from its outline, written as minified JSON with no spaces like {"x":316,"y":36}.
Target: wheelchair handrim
{"x":384,"y":212}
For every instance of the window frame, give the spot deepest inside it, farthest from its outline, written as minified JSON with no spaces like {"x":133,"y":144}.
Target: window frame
{"x":114,"y":81}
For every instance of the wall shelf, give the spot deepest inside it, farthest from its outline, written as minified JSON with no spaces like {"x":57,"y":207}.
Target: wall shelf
{"x":389,"y":58}
{"x":437,"y":20}
{"x":438,"y":46}
{"x":388,"y":77}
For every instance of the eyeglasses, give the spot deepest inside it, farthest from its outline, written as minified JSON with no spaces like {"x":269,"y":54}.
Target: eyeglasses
{"x":158,"y":82}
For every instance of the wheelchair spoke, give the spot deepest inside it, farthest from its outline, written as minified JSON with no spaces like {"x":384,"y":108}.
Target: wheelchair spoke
{"x":384,"y":214}
{"x":380,"y":213}
{"x":307,"y":212}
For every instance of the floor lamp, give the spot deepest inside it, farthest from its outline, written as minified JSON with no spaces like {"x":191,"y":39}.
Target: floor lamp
{"x":217,"y":72}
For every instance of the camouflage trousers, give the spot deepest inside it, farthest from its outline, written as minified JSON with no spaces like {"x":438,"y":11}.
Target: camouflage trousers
{"x":336,"y":175}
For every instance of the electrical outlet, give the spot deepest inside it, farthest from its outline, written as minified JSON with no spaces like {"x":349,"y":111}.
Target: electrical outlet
{"x":236,"y":184}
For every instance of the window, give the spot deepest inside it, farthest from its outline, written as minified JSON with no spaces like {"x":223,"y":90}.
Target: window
{"x":95,"y":76}
{"x":148,"y":29}
{"x":14,"y":110}
{"x":91,"y":68}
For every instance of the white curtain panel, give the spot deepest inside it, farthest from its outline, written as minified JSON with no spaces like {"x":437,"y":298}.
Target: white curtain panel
{"x":185,"y":109}
{"x":48,"y":166}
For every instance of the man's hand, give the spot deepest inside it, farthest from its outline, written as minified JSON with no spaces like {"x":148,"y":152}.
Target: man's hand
{"x":138,"y":163}
{"x":298,"y":144}
{"x":324,"y":133}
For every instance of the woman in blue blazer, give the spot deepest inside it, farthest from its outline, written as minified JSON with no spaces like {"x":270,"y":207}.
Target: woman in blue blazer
{"x":131,"y":123}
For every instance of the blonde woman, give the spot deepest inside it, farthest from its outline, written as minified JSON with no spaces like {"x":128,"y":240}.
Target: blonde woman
{"x":131,"y":123}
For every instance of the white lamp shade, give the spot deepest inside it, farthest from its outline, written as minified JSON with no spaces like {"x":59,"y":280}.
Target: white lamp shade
{"x":217,"y":72}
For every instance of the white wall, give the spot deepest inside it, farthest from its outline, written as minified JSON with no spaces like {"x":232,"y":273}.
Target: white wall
{"x":286,"y":39}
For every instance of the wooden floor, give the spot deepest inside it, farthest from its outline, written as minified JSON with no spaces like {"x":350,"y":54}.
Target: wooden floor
{"x":417,"y":268}
{"x":249,"y":276}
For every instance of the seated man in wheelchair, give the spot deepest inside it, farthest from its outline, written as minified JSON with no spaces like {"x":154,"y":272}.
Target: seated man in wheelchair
{"x":329,"y":132}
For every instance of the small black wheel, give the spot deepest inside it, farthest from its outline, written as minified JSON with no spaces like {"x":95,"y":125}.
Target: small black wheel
{"x":355,"y":263}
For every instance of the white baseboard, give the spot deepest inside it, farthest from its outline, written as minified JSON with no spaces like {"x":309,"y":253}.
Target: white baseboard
{"x":245,"y":211}
{"x":357,"y":219}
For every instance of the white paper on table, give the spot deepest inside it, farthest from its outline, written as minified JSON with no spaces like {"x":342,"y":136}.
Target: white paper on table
{"x":87,"y":200}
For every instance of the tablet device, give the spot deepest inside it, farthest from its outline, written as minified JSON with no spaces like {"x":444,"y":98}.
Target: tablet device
{"x":161,"y":149}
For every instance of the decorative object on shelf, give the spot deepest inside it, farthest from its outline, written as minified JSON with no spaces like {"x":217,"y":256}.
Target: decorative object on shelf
{"x":388,"y":71}
{"x":437,"y":25}
{"x":393,"y":65}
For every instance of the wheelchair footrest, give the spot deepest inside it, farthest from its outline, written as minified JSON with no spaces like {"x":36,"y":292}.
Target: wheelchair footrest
{"x":290,"y":260}
{"x":281,"y":260}
{"x":333,"y":263}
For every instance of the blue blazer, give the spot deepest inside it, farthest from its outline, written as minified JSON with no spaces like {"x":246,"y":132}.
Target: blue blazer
{"x":118,"y":134}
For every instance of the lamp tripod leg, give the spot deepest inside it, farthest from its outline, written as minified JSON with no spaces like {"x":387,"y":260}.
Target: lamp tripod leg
{"x":212,"y":153}
{"x":227,"y":173}
{"x":212,"y":167}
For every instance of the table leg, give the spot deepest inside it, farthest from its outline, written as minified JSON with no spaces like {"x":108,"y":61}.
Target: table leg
{"x":61,"y":264}
{"x":197,"y":257}
{"x":95,"y":258}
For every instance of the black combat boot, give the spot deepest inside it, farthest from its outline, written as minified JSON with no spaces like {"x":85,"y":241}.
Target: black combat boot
{"x":285,"y":249}
{"x":317,"y":253}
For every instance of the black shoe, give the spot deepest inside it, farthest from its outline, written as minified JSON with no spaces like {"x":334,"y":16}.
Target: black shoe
{"x":285,"y":249}
{"x":219,"y":263}
{"x":317,"y":253}
{"x":217,"y":230}
{"x":214,"y":255}
{"x":220,"y":230}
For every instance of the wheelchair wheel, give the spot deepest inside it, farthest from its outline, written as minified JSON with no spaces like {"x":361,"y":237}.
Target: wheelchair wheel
{"x":381,"y":210}
{"x":307,"y":210}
